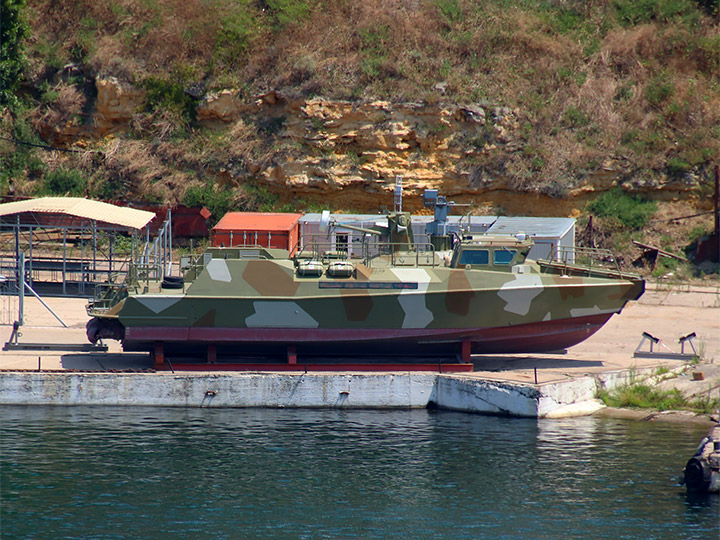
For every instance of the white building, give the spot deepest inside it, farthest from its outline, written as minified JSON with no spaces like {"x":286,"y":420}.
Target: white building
{"x":549,"y":233}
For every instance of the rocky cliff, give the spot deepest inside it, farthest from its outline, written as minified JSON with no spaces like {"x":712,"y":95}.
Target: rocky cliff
{"x":348,"y":154}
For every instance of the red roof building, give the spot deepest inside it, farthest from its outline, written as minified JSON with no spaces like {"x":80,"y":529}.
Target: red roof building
{"x":263,"y":229}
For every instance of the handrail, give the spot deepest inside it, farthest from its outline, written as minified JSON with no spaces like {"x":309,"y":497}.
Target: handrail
{"x":569,"y":258}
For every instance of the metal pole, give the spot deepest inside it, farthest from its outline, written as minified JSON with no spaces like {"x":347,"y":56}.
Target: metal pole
{"x":31,"y":256}
{"x":717,"y":209}
{"x":17,"y":252}
{"x":161,"y":252}
{"x":21,"y":290}
{"x":64,"y":268}
{"x":132,"y":254}
{"x":44,"y":304}
{"x":94,"y":230}
{"x":110,"y":263}
{"x":81,"y":283}
{"x":170,"y":242}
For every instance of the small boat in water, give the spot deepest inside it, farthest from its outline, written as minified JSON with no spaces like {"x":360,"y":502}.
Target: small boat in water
{"x":452,"y":294}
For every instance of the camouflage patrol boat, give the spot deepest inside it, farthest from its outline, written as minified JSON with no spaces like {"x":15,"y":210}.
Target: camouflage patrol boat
{"x":454,"y":294}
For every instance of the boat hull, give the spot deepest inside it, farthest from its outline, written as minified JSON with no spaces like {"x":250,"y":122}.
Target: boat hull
{"x":543,"y":336}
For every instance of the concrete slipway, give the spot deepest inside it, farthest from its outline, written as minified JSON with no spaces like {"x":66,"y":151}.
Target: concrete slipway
{"x":567,"y":384}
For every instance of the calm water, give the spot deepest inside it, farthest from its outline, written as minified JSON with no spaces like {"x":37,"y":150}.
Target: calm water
{"x":116,"y":473}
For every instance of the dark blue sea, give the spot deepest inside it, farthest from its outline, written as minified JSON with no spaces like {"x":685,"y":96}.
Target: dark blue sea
{"x":146,"y":473}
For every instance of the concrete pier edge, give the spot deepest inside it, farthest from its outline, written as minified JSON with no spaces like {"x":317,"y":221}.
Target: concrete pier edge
{"x":576,"y":397}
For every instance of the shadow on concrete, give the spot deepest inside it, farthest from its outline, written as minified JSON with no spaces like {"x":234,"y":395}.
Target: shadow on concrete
{"x":505,"y":363}
{"x":106,"y":362}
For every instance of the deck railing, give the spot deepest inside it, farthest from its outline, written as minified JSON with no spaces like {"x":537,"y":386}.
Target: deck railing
{"x":570,"y":260}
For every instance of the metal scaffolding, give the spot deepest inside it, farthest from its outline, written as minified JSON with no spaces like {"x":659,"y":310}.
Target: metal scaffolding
{"x":72,"y":246}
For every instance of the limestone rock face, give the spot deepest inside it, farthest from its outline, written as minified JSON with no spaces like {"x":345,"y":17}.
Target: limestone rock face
{"x":115,"y":106}
{"x":224,"y":106}
{"x":349,"y":153}
{"x":366,"y":145}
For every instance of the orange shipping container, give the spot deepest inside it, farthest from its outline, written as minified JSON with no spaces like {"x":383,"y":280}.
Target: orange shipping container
{"x":264,"y":229}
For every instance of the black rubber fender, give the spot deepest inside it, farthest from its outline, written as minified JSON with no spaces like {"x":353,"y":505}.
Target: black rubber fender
{"x":97,"y":329}
{"x":697,"y":474}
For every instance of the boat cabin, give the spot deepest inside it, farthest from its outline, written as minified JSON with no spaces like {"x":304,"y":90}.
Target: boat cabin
{"x":490,"y":252}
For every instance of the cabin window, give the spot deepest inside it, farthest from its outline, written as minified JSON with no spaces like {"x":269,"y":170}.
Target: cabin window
{"x":475,"y":256}
{"x":503,"y":256}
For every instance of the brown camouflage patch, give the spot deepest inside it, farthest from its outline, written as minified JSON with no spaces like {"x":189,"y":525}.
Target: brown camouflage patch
{"x":357,"y":305}
{"x":206,"y":320}
{"x":362,"y":272}
{"x":569,"y":287}
{"x":270,"y":279}
{"x":460,"y":293}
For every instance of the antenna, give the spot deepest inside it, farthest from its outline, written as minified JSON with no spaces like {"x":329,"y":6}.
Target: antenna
{"x":398,"y":194}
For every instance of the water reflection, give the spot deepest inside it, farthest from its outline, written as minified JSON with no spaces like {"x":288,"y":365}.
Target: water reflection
{"x":120,"y":473}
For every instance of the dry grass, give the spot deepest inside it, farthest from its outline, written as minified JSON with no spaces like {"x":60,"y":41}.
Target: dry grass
{"x":590,"y":90}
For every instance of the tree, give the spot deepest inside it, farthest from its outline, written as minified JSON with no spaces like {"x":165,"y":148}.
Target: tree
{"x":13,"y":30}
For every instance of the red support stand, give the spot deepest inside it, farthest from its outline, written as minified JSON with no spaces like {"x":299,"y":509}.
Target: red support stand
{"x":291,"y":354}
{"x":466,"y":351}
{"x":159,"y":355}
{"x":211,"y":353}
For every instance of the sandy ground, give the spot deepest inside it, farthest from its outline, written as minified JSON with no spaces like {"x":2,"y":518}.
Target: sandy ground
{"x":667,"y":313}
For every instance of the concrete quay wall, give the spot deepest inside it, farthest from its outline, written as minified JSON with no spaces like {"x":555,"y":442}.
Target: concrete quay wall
{"x":277,"y":390}
{"x":271,"y":390}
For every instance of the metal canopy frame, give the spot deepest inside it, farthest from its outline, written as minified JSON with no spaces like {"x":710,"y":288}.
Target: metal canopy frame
{"x":62,"y":270}
{"x":92,"y":265}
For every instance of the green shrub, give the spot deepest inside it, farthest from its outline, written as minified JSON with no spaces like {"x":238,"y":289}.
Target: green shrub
{"x":85,"y":46}
{"x":709,"y":47}
{"x":215,"y":198}
{"x":263,"y":200}
{"x":577,"y":117}
{"x":664,"y":266}
{"x":634,"y":12}
{"x":374,"y":49}
{"x":450,"y":10}
{"x":19,"y":160}
{"x":287,"y":11}
{"x":678,"y":166}
{"x":659,"y":89}
{"x":632,"y":211}
{"x":643,"y":396}
{"x":65,"y":182}
{"x":624,"y":92}
{"x":171,"y":96}
{"x":13,"y":30}
{"x":236,"y":34}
